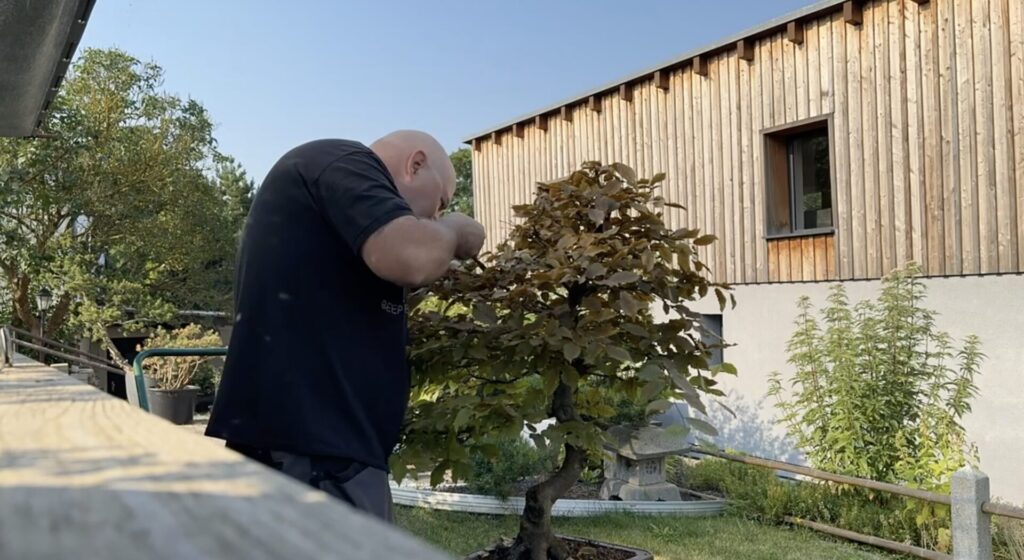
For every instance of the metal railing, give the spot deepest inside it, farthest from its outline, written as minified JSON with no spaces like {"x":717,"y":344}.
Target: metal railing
{"x":136,"y":387}
{"x":15,"y":338}
{"x":970,"y":502}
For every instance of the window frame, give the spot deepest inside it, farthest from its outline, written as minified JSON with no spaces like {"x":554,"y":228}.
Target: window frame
{"x":776,"y":143}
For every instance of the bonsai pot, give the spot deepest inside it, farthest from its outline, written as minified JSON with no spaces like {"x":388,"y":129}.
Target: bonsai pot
{"x":576,"y":545}
{"x":176,"y":405}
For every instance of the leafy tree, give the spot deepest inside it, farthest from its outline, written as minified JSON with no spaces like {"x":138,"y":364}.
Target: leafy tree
{"x":462,"y":159}
{"x":115,"y":213}
{"x":237,"y":190}
{"x":543,"y":327}
{"x":878,"y":391}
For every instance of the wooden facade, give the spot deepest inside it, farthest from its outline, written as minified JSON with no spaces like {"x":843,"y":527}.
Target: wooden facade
{"x":925,"y":105}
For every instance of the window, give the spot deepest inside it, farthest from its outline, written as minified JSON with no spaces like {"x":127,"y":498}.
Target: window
{"x":799,"y":189}
{"x":713,"y":330}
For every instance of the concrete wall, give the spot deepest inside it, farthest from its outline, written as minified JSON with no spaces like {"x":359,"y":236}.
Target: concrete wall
{"x":991,"y":307}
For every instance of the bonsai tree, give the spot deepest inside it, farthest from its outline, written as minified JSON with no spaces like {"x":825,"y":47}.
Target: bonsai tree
{"x":562,"y":312}
{"x":180,"y":372}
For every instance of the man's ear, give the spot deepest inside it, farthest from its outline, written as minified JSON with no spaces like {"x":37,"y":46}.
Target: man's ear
{"x":416,"y":162}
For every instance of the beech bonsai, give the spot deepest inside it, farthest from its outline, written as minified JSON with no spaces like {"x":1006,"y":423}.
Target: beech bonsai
{"x":559,"y":315}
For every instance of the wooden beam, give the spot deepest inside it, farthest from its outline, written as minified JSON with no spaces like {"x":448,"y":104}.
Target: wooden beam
{"x":853,"y":14}
{"x":566,"y":113}
{"x":700,"y":65}
{"x":71,"y":462}
{"x":517,"y":130}
{"x":921,"y":2}
{"x":541,"y":122}
{"x":594,"y":104}
{"x":661,"y":80}
{"x":626,"y":93}
{"x":476,"y":145}
{"x":795,"y":32}
{"x":745,"y":49}
{"x":496,"y":138}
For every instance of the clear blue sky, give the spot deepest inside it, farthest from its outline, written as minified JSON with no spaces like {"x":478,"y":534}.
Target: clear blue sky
{"x":274,"y":74}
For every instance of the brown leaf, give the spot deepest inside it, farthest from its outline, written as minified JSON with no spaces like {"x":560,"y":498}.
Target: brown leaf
{"x":629,"y":304}
{"x":625,"y":171}
{"x":647,"y":259}
{"x":484,"y":314}
{"x":596,"y":216}
{"x":618,"y":353}
{"x":704,"y":240}
{"x":595,"y":270}
{"x":621,"y":277}
{"x":571,"y":351}
{"x":635,"y":329}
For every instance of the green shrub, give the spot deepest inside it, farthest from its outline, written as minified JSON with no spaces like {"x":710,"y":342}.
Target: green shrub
{"x":517,"y":460}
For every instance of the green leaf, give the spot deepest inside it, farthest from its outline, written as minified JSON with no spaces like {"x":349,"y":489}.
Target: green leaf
{"x":571,"y":351}
{"x":485,"y":314}
{"x":633,"y":328}
{"x":658,"y":406}
{"x":704,"y":240}
{"x":652,"y":389}
{"x":725,"y":367}
{"x":682,"y":383}
{"x":721,"y":299}
{"x":618,"y":353}
{"x":658,"y":177}
{"x":702,"y":426}
{"x":621,"y":277}
{"x":437,"y":475}
{"x":462,"y":418}
{"x":650,"y":371}
{"x":596,"y":216}
{"x":647,"y":259}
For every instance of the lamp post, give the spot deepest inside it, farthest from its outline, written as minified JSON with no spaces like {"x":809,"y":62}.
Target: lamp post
{"x":43,"y":301}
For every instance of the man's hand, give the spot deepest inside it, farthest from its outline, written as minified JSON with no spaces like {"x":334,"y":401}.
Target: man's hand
{"x":468,"y":232}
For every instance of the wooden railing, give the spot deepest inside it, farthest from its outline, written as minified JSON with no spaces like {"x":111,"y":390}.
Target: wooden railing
{"x":969,"y":500}
{"x":86,"y":475}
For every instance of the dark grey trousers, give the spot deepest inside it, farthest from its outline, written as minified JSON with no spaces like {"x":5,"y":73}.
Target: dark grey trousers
{"x":362,"y":487}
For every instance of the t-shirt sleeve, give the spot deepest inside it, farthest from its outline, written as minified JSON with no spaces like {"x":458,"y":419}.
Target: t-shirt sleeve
{"x":358,"y":198}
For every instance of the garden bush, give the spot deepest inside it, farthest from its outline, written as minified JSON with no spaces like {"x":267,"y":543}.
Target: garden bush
{"x":516,"y":461}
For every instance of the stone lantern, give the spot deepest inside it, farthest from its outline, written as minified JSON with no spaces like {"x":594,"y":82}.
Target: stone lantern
{"x":634,"y":464}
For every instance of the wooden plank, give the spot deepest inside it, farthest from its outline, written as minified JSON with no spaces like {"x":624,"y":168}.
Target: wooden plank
{"x":800,"y":75}
{"x":1003,"y":102}
{"x":899,"y":109}
{"x":988,"y":233}
{"x":1016,"y":27}
{"x":820,"y":258}
{"x":708,"y":187}
{"x":886,"y":220}
{"x":670,"y":189}
{"x":827,"y":65}
{"x":785,"y":272}
{"x":795,"y":32}
{"x":931,"y":143}
{"x":917,"y":221}
{"x":847,"y":113}
{"x":719,"y":78}
{"x":830,"y":257}
{"x":807,"y":258}
{"x":852,"y":13}
{"x":71,"y":462}
{"x":778,"y":83}
{"x":773,"y":261}
{"x":970,"y":228}
{"x":736,"y":208}
{"x":746,"y":181}
{"x":662,"y":117}
{"x":950,"y":174}
{"x":697,"y":134}
{"x":814,"y":54}
{"x":789,"y":80}
{"x":759,"y":103}
{"x":869,"y":116}
{"x":689,"y":150}
{"x":796,"y":260}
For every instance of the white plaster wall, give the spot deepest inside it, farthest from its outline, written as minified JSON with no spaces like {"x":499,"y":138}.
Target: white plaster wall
{"x":991,"y":307}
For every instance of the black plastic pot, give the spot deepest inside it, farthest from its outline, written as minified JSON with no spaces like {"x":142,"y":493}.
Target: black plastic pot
{"x":176,"y":405}
{"x":637,"y":554}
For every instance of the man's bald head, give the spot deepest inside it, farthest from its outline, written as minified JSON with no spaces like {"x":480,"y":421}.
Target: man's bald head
{"x":421,"y":169}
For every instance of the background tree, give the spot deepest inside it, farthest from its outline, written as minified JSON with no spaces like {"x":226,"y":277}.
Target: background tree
{"x":116,"y":213}
{"x":237,"y":190}
{"x":462,"y":159}
{"x":558,"y":316}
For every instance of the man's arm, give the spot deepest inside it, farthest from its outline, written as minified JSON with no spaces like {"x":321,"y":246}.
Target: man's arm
{"x":413,"y":252}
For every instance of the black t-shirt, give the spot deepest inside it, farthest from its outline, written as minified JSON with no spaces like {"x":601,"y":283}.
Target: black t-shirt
{"x":316,"y":364}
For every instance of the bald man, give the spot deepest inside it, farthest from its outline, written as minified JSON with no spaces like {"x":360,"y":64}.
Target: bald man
{"x":316,"y":381}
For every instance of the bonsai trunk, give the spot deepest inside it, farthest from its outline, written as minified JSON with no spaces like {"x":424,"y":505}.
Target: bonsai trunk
{"x":536,"y":540}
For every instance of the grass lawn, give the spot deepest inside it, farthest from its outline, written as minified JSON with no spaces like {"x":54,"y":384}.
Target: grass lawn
{"x":669,"y":538}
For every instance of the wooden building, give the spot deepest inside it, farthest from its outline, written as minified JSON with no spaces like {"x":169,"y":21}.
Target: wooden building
{"x":835,"y":143}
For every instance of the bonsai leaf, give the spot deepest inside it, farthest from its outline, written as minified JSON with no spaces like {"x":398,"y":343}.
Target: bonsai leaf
{"x":649,"y":371}
{"x":596,"y":216}
{"x":621,"y":277}
{"x":571,"y":351}
{"x":625,"y":171}
{"x":618,"y":353}
{"x":628,"y":304}
{"x":702,"y":426}
{"x":652,"y":389}
{"x":704,"y":240}
{"x":658,"y":406}
{"x":437,"y":475}
{"x":485,"y":314}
